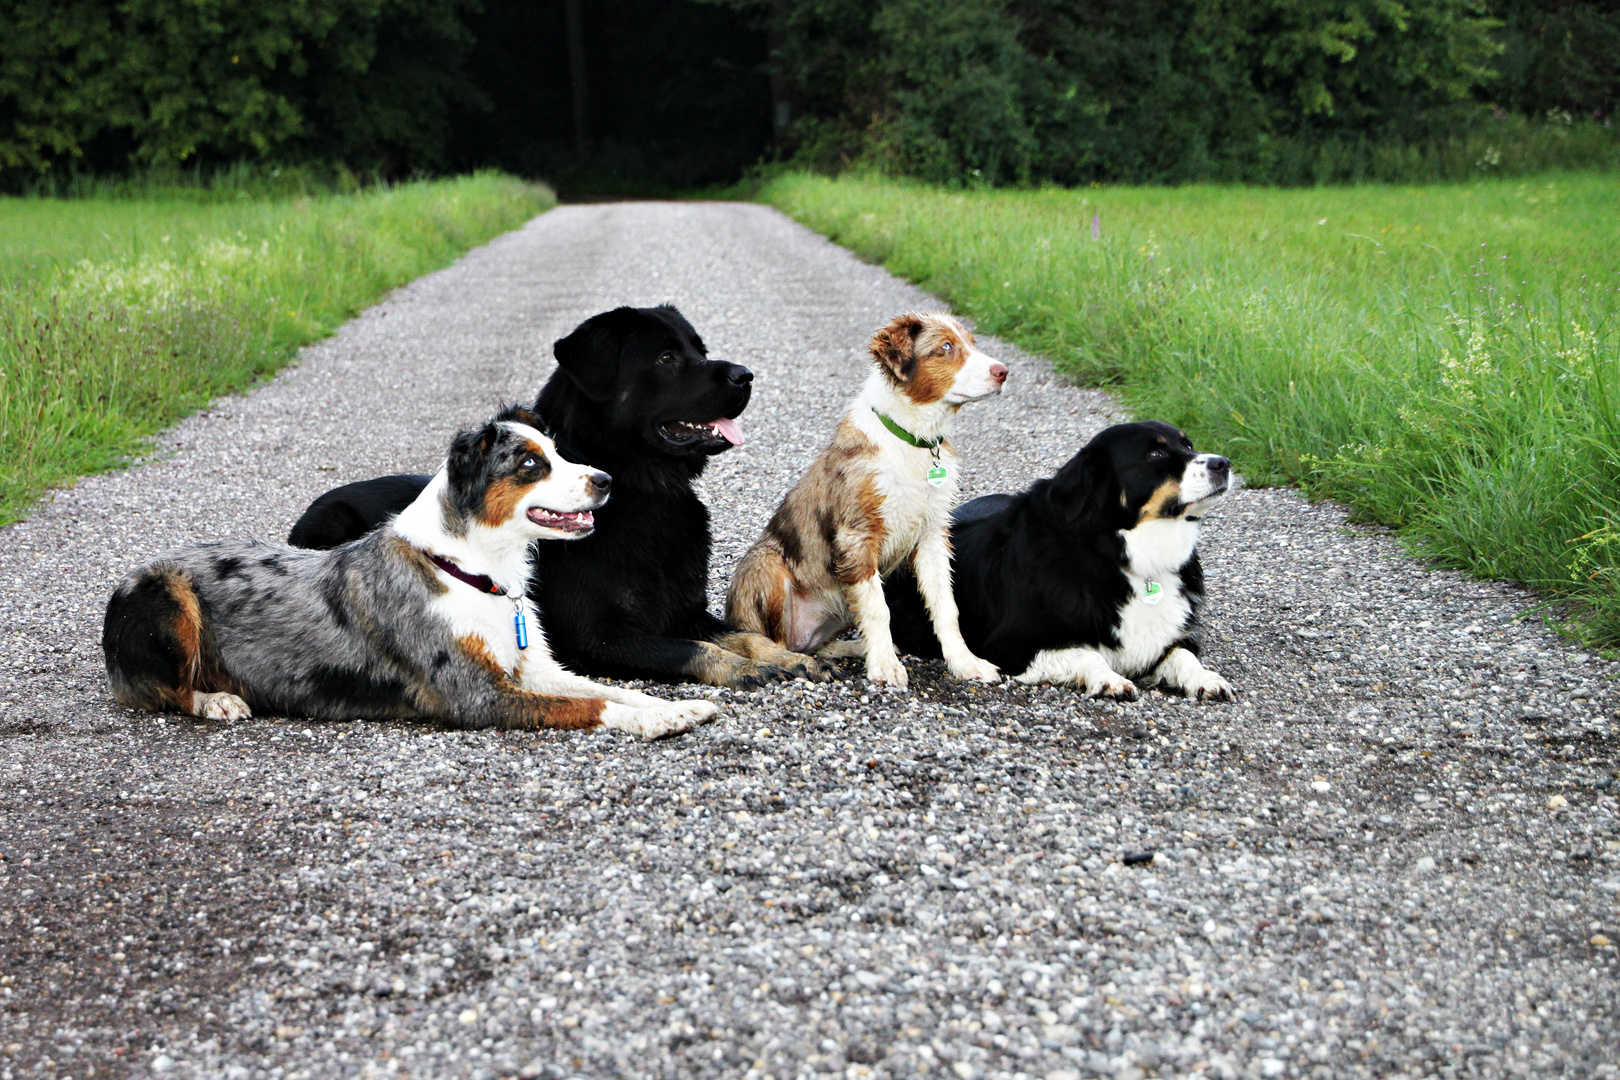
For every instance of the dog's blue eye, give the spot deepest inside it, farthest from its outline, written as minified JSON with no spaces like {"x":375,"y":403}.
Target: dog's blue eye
{"x":529,"y":463}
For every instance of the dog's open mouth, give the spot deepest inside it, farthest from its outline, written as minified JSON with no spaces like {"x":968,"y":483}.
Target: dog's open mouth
{"x":722,"y":431}
{"x":574,"y":521}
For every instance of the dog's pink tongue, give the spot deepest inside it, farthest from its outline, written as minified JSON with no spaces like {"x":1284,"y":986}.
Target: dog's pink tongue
{"x":729,"y":430}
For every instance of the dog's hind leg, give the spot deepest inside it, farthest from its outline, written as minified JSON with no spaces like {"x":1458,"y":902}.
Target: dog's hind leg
{"x":757,"y":600}
{"x":156,"y":645}
{"x":219,"y":706}
{"x":843,"y":649}
{"x":1080,"y":667}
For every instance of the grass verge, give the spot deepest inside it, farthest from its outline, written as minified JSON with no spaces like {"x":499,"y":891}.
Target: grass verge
{"x":119,"y":315}
{"x":1443,"y":359}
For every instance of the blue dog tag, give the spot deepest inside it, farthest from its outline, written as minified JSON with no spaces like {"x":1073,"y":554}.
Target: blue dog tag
{"x":520,"y":627}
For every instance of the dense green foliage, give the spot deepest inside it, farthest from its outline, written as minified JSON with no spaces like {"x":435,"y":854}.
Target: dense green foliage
{"x":109,"y":83}
{"x":121,"y":315}
{"x":1164,"y":90}
{"x":1444,"y":359}
{"x":684,"y":92}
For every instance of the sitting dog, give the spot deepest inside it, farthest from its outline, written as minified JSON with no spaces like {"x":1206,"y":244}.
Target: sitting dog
{"x":426,"y":617}
{"x":1088,"y":577}
{"x":877,"y":498}
{"x":635,"y":394}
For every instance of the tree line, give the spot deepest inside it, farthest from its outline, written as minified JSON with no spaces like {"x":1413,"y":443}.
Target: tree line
{"x":684,"y":92}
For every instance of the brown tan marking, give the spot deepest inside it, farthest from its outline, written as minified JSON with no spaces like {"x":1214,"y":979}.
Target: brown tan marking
{"x":520,"y":708}
{"x":715,"y":665}
{"x":188,"y":634}
{"x":761,"y":647}
{"x":895,"y":346}
{"x":503,"y":496}
{"x":940,"y":353}
{"x":1167,"y":494}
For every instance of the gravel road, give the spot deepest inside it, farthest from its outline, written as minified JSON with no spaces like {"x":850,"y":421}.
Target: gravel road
{"x":1397,"y":854}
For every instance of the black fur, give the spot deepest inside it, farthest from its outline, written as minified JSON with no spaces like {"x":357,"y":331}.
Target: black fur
{"x":630,"y":599}
{"x":1043,"y":569}
{"x":137,"y":637}
{"x":351,"y":511}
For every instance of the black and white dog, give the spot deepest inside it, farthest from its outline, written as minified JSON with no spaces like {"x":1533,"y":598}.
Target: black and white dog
{"x":634,"y":393}
{"x":1090,"y":578}
{"x":425,"y":617}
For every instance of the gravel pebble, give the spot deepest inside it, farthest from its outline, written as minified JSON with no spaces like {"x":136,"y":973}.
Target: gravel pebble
{"x":830,"y":879}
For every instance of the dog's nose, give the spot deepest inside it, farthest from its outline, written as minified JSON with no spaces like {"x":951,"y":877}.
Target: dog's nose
{"x":998,"y":372}
{"x":1218,"y":466}
{"x":598,"y":483}
{"x":740,"y":376}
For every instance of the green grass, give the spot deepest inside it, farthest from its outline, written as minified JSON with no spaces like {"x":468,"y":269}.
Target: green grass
{"x":1444,"y":359}
{"x":121,"y":314}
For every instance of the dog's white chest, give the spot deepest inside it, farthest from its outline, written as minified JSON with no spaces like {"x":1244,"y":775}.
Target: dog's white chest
{"x":914,"y":505}
{"x":1157,"y":612}
{"x":489,"y":619}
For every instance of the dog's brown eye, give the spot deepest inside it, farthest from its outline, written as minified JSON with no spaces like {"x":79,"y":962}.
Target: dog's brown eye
{"x":1157,"y":454}
{"x":666,"y":358}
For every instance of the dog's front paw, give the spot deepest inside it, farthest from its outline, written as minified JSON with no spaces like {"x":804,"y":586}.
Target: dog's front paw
{"x":219,"y":707}
{"x":670,"y":718}
{"x":972,"y":667}
{"x":886,"y":669}
{"x":753,"y":674}
{"x":1208,"y":686}
{"x":698,"y":710}
{"x":1112,"y":686}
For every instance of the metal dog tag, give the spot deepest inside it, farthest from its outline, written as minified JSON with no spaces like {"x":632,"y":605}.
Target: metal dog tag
{"x":520,"y":627}
{"x":937,"y":475}
{"x":1152,"y":592}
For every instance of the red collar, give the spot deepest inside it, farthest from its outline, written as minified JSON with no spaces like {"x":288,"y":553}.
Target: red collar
{"x":481,"y":582}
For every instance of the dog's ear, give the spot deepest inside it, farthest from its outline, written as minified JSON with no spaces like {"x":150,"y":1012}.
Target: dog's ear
{"x":895,"y":346}
{"x":1083,"y":488}
{"x":468,"y":467}
{"x":520,"y":414}
{"x":589,"y":357}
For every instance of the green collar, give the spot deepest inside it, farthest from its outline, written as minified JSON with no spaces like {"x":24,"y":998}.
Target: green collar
{"x":906,"y":436}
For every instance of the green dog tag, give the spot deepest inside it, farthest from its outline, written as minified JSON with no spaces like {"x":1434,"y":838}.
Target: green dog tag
{"x":1152,"y":592}
{"x":937,"y":475}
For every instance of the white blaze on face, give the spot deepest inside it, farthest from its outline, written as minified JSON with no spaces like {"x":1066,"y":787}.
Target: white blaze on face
{"x":1199,"y":484}
{"x":559,"y":505}
{"x":980,"y":376}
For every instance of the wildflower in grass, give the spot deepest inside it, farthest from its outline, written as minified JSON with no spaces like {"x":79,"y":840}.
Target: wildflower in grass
{"x":1096,"y":226}
{"x":1581,"y":357}
{"x":1597,"y":554}
{"x":1464,"y":375}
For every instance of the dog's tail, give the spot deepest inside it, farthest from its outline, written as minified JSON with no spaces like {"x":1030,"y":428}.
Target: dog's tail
{"x":156,"y":641}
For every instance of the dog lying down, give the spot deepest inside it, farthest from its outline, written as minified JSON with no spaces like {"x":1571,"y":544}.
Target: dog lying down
{"x":425,"y":617}
{"x":1091,"y":578}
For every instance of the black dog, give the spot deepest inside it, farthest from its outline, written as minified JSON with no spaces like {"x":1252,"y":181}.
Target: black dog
{"x":1090,"y":576}
{"x":636,"y":396}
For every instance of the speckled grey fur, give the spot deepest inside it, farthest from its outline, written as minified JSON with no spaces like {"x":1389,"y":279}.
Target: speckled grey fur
{"x":1391,"y":857}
